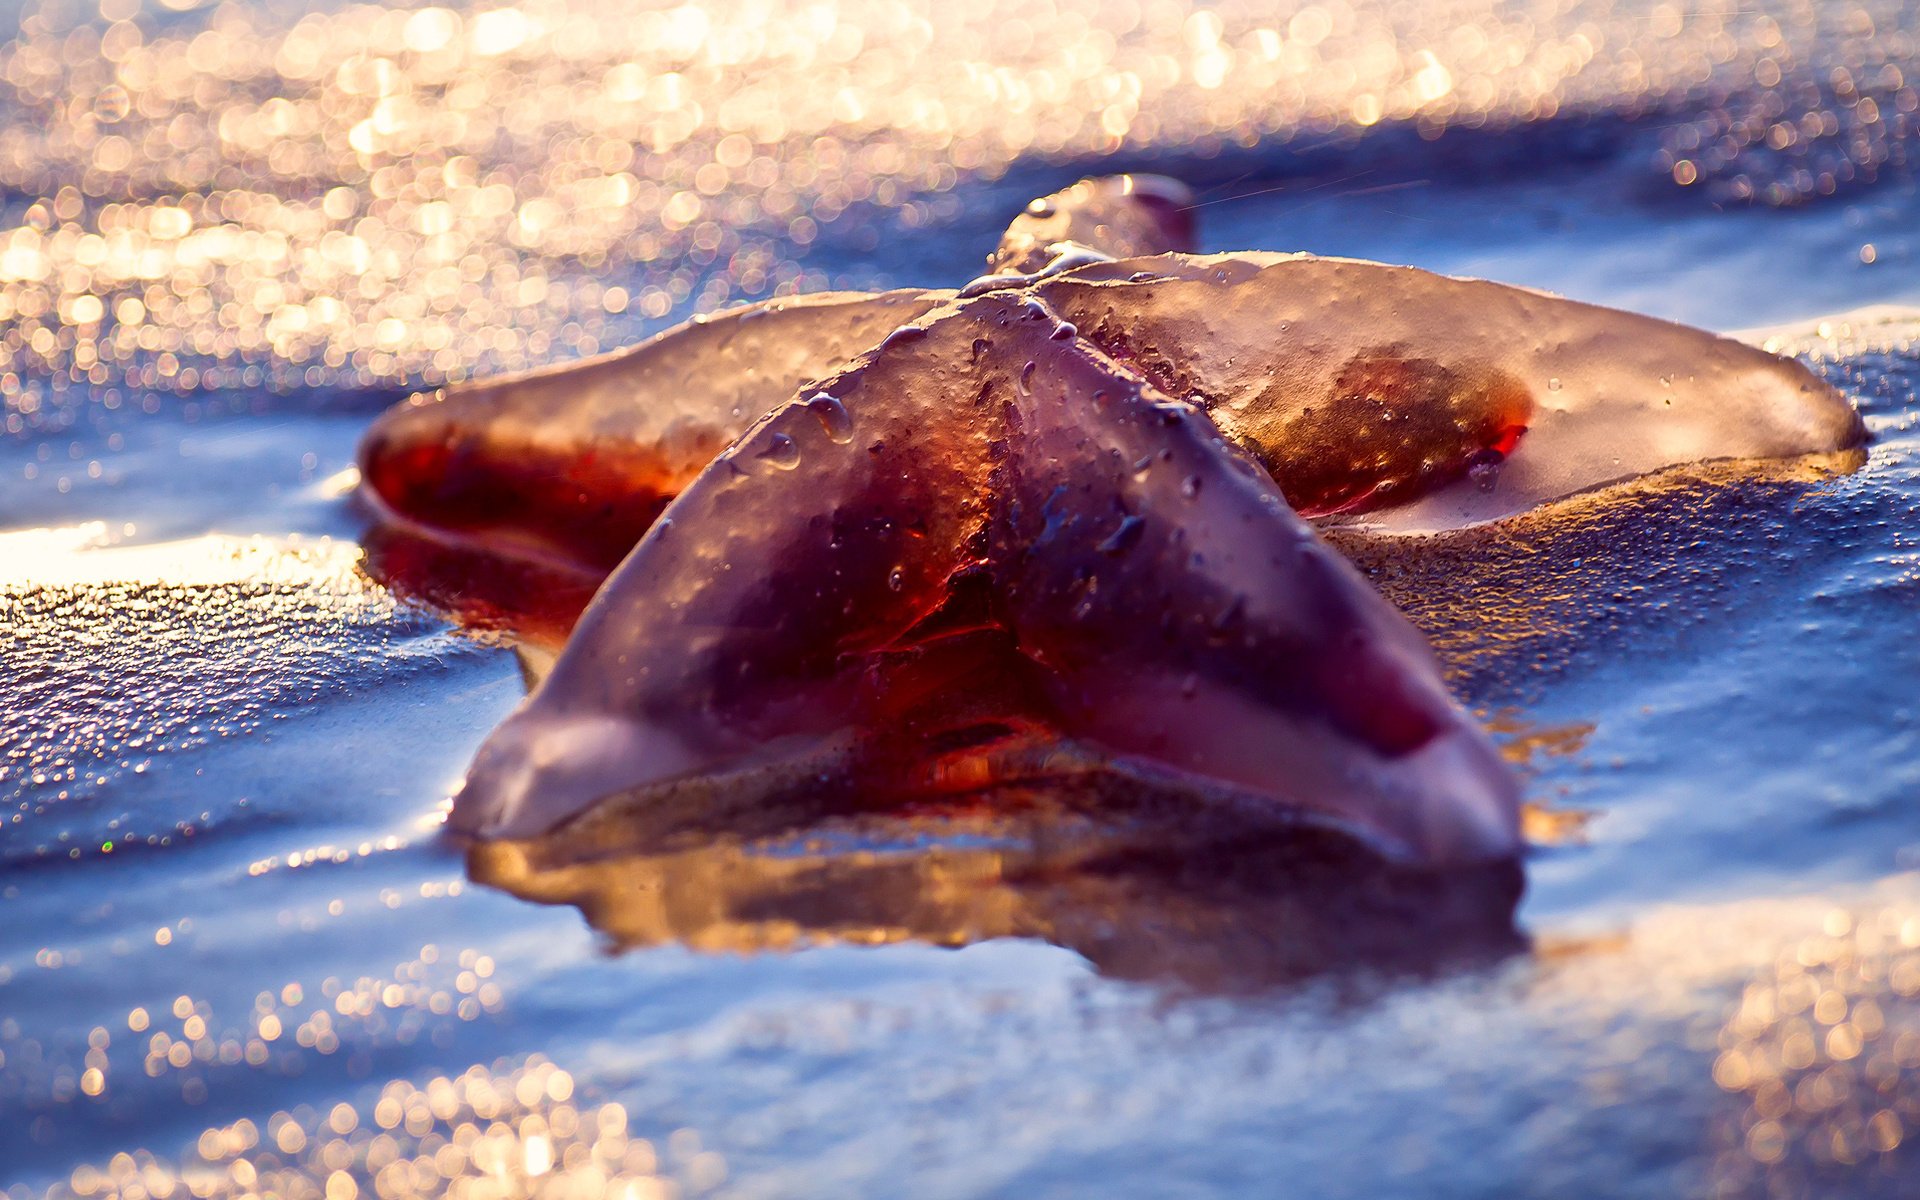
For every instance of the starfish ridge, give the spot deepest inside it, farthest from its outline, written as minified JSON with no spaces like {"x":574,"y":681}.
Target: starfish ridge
{"x":1052,"y":523}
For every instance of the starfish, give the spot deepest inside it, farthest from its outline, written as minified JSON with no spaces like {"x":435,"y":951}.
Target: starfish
{"x":1061,"y":521}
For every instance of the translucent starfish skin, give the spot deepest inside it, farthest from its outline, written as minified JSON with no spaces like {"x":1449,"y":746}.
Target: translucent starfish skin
{"x":572,"y":464}
{"x":1372,"y":388}
{"x":1000,"y":481}
{"x":1044,"y":527}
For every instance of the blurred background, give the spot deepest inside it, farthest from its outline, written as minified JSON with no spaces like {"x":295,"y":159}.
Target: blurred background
{"x":283,"y":195}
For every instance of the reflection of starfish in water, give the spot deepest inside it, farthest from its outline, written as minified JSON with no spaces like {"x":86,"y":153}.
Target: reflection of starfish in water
{"x":1243,"y":910}
{"x":1048,"y":526}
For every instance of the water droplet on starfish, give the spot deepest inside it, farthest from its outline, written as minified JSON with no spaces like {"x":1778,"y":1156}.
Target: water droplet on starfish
{"x":1230,"y":620}
{"x":833,"y":417}
{"x":906,"y":333}
{"x":781,"y":452}
{"x":1126,"y":537}
{"x":1485,"y":469}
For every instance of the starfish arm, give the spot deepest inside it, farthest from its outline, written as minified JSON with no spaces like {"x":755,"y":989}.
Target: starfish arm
{"x":738,"y":631}
{"x":1189,"y":622}
{"x":1156,"y":598}
{"x":1121,"y":216}
{"x":1366,"y":387}
{"x":573,"y":463}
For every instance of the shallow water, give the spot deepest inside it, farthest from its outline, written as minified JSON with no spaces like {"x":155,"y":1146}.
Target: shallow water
{"x":233,"y":945}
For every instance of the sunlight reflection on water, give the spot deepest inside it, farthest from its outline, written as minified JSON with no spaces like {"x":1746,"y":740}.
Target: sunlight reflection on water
{"x":233,"y":958}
